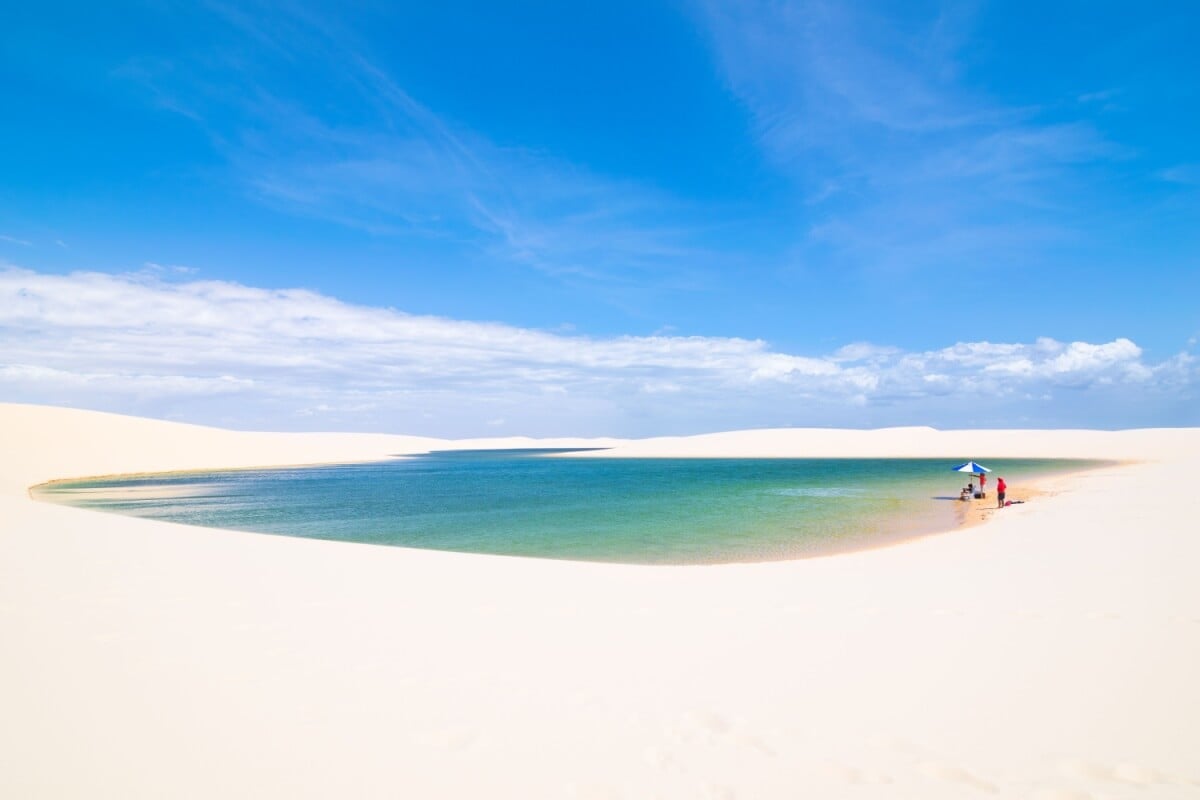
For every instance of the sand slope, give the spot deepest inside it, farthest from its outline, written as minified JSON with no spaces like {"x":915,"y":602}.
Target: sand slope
{"x":1051,"y":653}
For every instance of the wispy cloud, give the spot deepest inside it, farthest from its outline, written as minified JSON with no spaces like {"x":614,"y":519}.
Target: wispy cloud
{"x":868,"y":110}
{"x":15,"y":240}
{"x":1104,"y":99}
{"x":1184,"y":174}
{"x":222,"y":352}
{"x":154,"y":268}
{"x":377,"y":159}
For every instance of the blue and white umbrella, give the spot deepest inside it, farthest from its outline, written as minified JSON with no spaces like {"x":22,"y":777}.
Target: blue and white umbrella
{"x":971,"y":467}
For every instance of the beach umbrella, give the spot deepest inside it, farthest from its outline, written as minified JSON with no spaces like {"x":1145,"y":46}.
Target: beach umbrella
{"x":971,"y":468}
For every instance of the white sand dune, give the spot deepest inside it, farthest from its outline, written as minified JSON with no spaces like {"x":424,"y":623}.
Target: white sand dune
{"x":1051,"y":653}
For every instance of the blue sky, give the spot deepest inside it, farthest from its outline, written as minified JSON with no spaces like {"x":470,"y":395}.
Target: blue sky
{"x":625,"y":218}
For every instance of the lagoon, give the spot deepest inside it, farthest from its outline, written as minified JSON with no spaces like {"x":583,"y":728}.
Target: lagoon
{"x":541,"y":504}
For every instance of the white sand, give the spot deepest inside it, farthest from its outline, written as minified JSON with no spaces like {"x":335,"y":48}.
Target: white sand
{"x":1051,"y":653}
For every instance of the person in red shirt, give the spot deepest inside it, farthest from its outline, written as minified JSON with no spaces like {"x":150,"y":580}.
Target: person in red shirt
{"x":1001,"y":486}
{"x":982,"y":485}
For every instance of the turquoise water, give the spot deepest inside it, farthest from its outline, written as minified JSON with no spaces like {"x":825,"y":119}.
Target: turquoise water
{"x":650,"y":511}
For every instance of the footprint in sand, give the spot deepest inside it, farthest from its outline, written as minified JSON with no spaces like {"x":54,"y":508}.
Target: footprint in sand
{"x":453,"y":740}
{"x":954,"y":774}
{"x":593,"y":791}
{"x":1126,"y":772}
{"x":1078,"y":769}
{"x":1060,"y":794}
{"x":754,"y":743}
{"x":714,"y":727}
{"x":712,"y":722}
{"x":659,"y":759}
{"x":856,"y":776}
{"x":712,"y":791}
{"x":899,"y":745}
{"x":1137,"y":774}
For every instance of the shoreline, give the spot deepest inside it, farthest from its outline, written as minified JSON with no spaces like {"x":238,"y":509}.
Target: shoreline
{"x":966,"y":514}
{"x":1041,"y":486}
{"x":916,"y":519}
{"x":126,"y":476}
{"x":1050,"y":653}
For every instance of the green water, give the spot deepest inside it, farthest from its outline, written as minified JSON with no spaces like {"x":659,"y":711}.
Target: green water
{"x":648,"y":511}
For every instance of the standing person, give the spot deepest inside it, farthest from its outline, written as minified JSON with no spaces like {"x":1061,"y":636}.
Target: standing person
{"x":1001,"y":486}
{"x":982,"y":485}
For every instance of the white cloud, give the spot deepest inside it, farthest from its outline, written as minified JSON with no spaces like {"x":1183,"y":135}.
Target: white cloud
{"x":137,"y":343}
{"x":383,"y":162}
{"x":1186,"y":174}
{"x":120,"y":383}
{"x":864,"y":351}
{"x":162,"y":269}
{"x":905,"y":164}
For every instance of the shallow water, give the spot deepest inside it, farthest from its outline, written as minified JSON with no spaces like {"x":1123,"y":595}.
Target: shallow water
{"x":648,"y":511}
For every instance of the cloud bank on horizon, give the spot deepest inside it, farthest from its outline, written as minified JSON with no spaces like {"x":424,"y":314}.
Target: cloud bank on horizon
{"x":223,"y":353}
{"x":675,"y":217}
